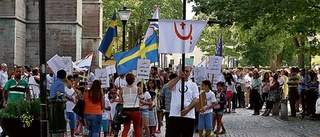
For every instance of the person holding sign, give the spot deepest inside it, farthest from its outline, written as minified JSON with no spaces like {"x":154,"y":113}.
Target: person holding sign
{"x":205,"y":115}
{"x":183,"y":121}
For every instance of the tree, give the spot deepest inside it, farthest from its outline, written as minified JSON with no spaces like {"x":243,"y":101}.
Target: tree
{"x":293,"y":20}
{"x":141,"y":11}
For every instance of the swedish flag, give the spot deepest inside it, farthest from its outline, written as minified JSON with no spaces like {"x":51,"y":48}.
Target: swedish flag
{"x":109,"y":38}
{"x":128,"y":61}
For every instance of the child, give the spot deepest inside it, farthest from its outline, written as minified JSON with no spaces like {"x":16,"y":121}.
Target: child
{"x":114,"y":100}
{"x":219,"y":107}
{"x":145,"y":103}
{"x":153,"y":114}
{"x":205,"y":115}
{"x":106,"y":116}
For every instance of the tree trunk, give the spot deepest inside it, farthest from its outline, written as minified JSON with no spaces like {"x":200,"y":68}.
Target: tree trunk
{"x":300,"y":55}
{"x":279,"y":60}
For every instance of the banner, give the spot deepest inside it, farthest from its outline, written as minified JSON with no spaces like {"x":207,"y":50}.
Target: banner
{"x":103,"y":76}
{"x":143,"y":69}
{"x":179,"y":36}
{"x":56,"y":64}
{"x":215,"y":64}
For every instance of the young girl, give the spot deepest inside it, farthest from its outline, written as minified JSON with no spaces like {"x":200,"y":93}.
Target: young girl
{"x":145,"y":103}
{"x":153,"y":87}
{"x":205,"y":115}
{"x":219,"y":107}
{"x":230,"y":89}
{"x":106,"y":116}
{"x":152,"y":114}
{"x":114,"y":100}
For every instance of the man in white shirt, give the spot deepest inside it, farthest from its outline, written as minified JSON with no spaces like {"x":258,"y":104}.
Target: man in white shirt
{"x":3,"y":75}
{"x":247,"y":79}
{"x":182,"y":119}
{"x":120,"y":81}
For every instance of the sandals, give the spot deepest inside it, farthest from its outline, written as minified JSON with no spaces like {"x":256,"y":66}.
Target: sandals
{"x":158,"y":131}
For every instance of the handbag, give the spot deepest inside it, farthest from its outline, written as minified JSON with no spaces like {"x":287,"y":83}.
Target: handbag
{"x":79,"y":108}
{"x":120,"y":117}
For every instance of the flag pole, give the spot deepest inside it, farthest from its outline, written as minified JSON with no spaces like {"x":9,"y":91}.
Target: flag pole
{"x":183,"y":58}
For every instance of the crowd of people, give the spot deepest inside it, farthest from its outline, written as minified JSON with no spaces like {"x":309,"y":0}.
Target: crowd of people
{"x":149,"y":103}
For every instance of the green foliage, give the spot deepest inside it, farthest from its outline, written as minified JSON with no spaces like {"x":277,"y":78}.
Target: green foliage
{"x":141,"y":11}
{"x":25,"y":110}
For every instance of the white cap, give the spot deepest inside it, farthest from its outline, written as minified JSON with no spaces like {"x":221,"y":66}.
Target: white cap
{"x":3,"y":65}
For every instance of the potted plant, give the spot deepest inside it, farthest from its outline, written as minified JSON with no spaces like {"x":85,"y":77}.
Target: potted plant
{"x":21,"y":118}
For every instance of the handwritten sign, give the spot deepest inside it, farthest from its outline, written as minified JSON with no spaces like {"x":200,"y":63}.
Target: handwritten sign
{"x":215,"y":65}
{"x":56,"y":64}
{"x":103,"y":76}
{"x":111,"y":69}
{"x":216,"y":79}
{"x":143,"y":68}
{"x":200,"y":74}
{"x":67,"y":61}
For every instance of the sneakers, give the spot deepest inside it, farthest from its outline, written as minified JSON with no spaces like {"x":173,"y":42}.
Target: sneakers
{"x":223,"y":132}
{"x":233,"y":111}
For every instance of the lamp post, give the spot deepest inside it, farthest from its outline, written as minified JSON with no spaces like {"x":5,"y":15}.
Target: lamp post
{"x":124,"y":16}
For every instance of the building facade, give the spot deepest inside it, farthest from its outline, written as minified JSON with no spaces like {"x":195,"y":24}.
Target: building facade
{"x":73,"y":28}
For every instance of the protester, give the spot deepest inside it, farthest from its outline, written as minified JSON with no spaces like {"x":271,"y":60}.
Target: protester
{"x":114,"y":100}
{"x":205,"y":115}
{"x":70,"y":115}
{"x":145,"y":103}
{"x":273,"y":94}
{"x":255,"y":87}
{"x":130,"y":96}
{"x":106,"y":116}
{"x":293,"y":90}
{"x":57,"y":87}
{"x":94,"y":104}
{"x":120,"y":81}
{"x":183,"y":116}
{"x":153,"y":119}
{"x":34,"y":83}
{"x":219,"y":108}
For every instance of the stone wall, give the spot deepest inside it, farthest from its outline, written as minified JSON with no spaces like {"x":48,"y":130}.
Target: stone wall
{"x":73,"y":28}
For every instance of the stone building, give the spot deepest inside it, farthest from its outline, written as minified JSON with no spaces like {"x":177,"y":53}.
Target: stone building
{"x":73,"y":28}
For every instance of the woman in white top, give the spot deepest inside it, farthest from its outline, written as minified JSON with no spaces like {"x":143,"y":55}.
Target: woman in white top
{"x":130,"y":96}
{"x":230,"y":89}
{"x":145,"y":103}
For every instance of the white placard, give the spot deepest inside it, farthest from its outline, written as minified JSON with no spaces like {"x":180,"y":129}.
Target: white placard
{"x":200,"y":74}
{"x":68,"y":64}
{"x":215,"y":64}
{"x":103,"y":76}
{"x":143,"y":68}
{"x":112,"y":69}
{"x":56,"y":64}
{"x":216,"y":79}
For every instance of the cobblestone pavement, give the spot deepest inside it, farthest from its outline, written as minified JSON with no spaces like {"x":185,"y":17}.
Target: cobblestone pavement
{"x":243,"y":124}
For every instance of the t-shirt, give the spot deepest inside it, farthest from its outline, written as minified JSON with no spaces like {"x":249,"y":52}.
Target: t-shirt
{"x":56,"y":86}
{"x":17,"y":90}
{"x":210,"y":98}
{"x":49,"y":81}
{"x":34,"y":87}
{"x":113,"y":104}
{"x":146,"y":96}
{"x":119,"y":82}
{"x":166,"y":93}
{"x":106,"y":113}
{"x":231,"y":87}
{"x":191,"y":92}
{"x":70,"y":92}
{"x":3,"y":78}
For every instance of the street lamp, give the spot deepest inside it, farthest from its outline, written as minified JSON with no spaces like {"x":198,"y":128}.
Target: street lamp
{"x":124,"y":16}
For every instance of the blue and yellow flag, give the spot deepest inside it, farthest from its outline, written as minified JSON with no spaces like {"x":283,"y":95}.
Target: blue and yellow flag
{"x":109,"y":38}
{"x":128,"y":61}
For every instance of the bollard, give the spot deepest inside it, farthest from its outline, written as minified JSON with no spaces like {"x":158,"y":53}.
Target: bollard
{"x":284,"y":109}
{"x":275,"y":109}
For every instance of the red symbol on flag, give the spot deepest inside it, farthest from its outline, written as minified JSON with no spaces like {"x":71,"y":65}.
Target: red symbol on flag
{"x":189,"y":36}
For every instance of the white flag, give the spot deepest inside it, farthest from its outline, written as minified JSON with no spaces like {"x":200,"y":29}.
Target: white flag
{"x":179,"y":36}
{"x":153,"y":25}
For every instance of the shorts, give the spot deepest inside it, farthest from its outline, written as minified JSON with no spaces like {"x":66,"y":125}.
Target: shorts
{"x":144,"y":113}
{"x":205,"y":121}
{"x":105,"y":125}
{"x":78,"y":118}
{"x":229,"y":94}
{"x":70,"y":116}
{"x":215,"y":112}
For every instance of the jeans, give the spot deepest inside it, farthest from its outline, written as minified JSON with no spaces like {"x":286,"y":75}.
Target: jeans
{"x":234,"y":101}
{"x":94,"y":123}
{"x":293,"y":96}
{"x":72,"y":120}
{"x":240,"y":97}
